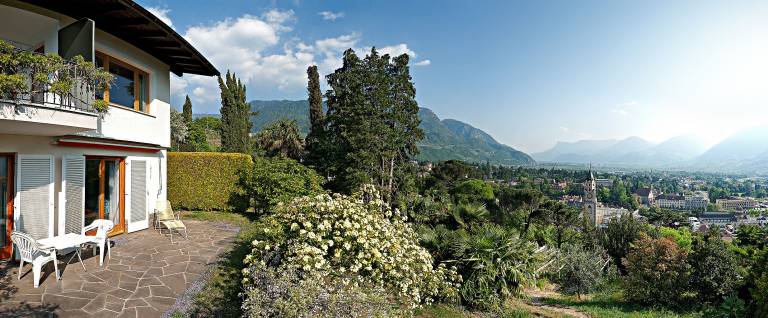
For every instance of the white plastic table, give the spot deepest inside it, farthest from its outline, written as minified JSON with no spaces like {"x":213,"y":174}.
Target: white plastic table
{"x":64,"y":242}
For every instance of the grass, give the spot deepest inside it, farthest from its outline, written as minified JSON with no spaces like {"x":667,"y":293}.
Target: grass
{"x":609,"y":303}
{"x":220,"y":295}
{"x":513,"y":308}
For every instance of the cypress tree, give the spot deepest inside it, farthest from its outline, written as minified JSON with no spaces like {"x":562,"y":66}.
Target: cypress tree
{"x":316,"y":153}
{"x":315,"y":99}
{"x":235,"y":116}
{"x":187,"y":111}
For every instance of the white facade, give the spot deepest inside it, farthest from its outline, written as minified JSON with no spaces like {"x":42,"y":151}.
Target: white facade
{"x":58,"y":153}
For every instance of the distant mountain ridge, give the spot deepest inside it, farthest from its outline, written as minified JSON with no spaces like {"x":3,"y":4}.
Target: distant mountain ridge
{"x":445,"y":139}
{"x":744,"y":152}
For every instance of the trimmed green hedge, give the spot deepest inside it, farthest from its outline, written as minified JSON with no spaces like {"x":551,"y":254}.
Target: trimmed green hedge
{"x":207,"y":181}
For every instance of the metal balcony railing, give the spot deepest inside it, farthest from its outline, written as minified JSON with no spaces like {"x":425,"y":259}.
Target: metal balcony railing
{"x":38,"y":93}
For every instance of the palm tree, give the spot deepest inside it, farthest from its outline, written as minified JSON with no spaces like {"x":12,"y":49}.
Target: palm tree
{"x":281,"y":138}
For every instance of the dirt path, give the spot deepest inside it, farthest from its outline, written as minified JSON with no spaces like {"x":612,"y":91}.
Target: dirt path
{"x":537,"y":300}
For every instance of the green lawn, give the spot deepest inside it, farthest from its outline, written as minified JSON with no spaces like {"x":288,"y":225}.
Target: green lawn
{"x":220,"y":296}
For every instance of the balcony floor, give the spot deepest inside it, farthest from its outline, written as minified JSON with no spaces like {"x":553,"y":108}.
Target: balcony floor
{"x":144,"y":277}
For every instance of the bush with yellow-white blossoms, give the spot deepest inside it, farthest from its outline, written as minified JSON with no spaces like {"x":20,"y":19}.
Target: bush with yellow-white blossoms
{"x":355,"y":236}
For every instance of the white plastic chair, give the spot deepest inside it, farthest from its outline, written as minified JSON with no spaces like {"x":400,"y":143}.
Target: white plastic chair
{"x":100,"y":240}
{"x":31,"y":252}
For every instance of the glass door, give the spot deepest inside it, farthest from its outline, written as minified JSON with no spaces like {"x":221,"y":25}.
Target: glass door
{"x":6,"y":205}
{"x":104,"y":191}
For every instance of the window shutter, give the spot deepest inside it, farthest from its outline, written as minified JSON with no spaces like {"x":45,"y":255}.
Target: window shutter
{"x":35,"y":195}
{"x":137,"y":216}
{"x":72,"y":211}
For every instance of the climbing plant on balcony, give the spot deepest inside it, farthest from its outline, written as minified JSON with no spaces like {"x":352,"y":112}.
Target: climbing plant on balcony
{"x":24,"y":74}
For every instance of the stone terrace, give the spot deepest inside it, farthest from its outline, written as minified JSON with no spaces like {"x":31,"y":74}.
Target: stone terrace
{"x":144,"y":277}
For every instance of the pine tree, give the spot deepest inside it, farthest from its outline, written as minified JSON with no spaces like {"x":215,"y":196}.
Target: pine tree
{"x":235,"y":116}
{"x":187,"y":111}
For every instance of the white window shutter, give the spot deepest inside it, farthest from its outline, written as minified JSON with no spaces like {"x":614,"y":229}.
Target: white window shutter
{"x":136,"y":195}
{"x":35,"y":195}
{"x":72,"y":209}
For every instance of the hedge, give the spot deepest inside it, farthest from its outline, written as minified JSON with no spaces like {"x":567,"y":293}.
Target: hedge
{"x":206,"y":181}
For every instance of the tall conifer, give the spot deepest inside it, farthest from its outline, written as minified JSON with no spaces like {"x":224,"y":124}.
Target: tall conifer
{"x":235,"y":116}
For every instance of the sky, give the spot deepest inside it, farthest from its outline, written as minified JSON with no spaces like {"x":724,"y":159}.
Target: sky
{"x":530,"y":73}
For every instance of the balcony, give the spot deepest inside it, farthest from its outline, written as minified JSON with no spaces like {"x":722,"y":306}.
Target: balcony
{"x":46,"y":96}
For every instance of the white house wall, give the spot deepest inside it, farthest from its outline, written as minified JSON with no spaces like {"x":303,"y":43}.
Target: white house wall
{"x":35,"y":145}
{"x":120,"y":123}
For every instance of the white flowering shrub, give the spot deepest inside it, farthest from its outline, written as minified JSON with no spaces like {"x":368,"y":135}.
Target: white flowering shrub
{"x":356,"y":237}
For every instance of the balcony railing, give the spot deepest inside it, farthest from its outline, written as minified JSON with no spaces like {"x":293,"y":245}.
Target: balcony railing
{"x":79,"y":97}
{"x":49,"y":81}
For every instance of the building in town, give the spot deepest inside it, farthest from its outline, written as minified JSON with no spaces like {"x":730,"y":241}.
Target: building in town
{"x":670,"y":201}
{"x":646,"y":196}
{"x":62,"y":163}
{"x":598,"y":214}
{"x":737,"y":203}
{"x":696,"y":201}
{"x":604,"y":182}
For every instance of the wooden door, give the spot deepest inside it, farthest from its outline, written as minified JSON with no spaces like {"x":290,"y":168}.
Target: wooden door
{"x":6,"y":204}
{"x":105,"y":191}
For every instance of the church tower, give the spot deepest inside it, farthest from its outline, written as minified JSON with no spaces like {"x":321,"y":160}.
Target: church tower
{"x":590,"y":197}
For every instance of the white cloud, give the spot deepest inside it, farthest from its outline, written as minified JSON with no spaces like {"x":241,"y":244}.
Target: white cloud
{"x":564,"y":129}
{"x":394,"y":50}
{"x":261,"y":51}
{"x":620,"y":111}
{"x":331,"y":16}
{"x":423,"y":63}
{"x":162,"y":14}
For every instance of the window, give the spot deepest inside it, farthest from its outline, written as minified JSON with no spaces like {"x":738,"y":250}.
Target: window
{"x":130,"y":87}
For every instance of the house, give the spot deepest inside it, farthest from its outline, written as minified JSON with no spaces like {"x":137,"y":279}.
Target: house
{"x":647,"y":196}
{"x":63,"y":164}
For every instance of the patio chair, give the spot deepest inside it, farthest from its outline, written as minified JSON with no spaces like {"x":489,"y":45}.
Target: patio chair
{"x":101,"y":239}
{"x":31,"y":252}
{"x":166,"y":218}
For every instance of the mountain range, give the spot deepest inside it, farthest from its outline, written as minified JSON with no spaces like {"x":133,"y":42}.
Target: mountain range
{"x":444,"y":139}
{"x":743,"y":152}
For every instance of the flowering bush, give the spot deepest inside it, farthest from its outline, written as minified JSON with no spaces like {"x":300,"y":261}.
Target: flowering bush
{"x":286,"y":295}
{"x":359,"y":238}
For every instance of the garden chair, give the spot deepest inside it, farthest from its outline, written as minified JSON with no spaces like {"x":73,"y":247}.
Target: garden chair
{"x":166,"y":218}
{"x":101,"y":239}
{"x":31,"y":252}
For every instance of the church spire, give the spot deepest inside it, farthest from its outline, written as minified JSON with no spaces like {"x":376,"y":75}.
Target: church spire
{"x":591,"y":176}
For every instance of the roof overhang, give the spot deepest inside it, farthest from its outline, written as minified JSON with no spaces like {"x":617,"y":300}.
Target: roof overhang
{"x":132,"y":23}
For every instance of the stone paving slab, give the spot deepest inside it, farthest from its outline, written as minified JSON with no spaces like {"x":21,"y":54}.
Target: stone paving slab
{"x":143,"y":278}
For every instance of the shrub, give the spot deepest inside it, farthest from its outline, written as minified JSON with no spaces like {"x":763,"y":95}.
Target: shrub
{"x":758,"y":285}
{"x":681,"y":236}
{"x":287,"y":295}
{"x":473,"y":191}
{"x":618,"y":236}
{"x":274,"y":180}
{"x":358,"y":238}
{"x":206,"y":181}
{"x":657,"y":272}
{"x":582,"y":271}
{"x":714,"y":269}
{"x":495,"y":264}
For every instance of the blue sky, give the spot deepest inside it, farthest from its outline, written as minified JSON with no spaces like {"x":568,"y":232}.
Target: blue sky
{"x":529,"y":73}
